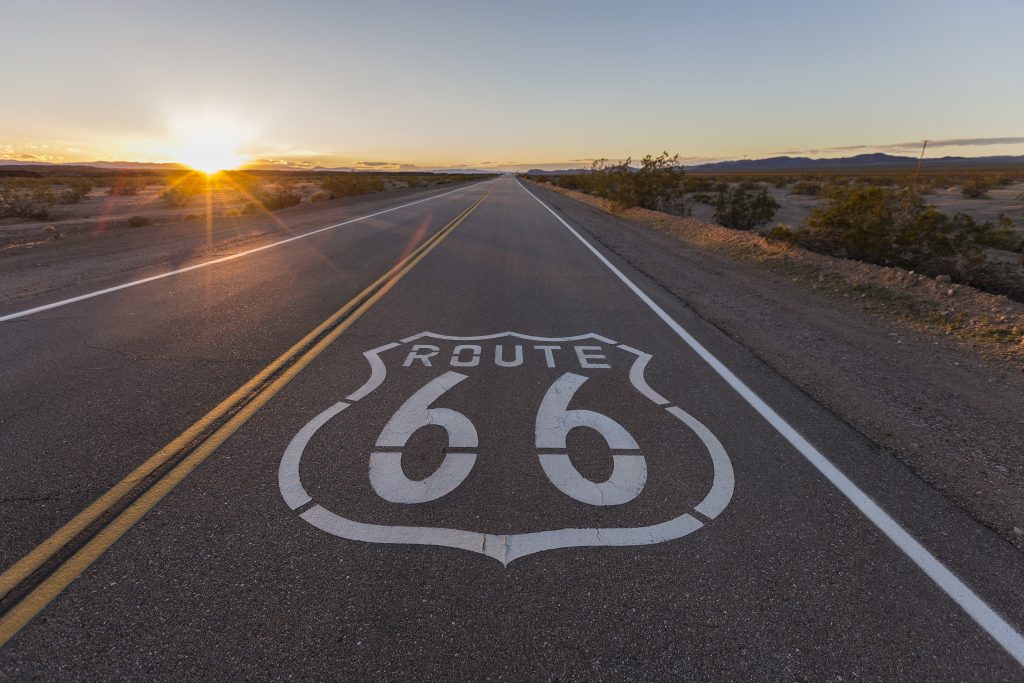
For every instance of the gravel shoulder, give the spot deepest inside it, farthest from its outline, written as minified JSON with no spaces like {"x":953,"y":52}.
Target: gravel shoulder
{"x":932,"y":373}
{"x":82,"y":261}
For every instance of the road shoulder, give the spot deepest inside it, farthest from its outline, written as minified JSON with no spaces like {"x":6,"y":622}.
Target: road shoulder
{"x":109,"y":257}
{"x":940,"y":406}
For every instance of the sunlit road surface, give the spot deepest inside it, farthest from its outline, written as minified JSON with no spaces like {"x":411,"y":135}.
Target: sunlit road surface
{"x":458,"y":439}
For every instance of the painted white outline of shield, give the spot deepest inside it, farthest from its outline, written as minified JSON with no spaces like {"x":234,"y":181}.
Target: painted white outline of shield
{"x":505,"y":547}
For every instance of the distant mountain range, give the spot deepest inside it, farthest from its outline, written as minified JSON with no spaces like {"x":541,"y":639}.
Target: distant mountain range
{"x":859,"y":162}
{"x":86,"y":166}
{"x":138,"y":165}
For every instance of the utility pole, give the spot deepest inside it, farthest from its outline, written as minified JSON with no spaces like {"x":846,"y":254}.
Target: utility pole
{"x":920,"y":159}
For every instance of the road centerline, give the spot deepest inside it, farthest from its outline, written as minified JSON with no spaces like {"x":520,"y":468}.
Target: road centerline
{"x":203,"y":437}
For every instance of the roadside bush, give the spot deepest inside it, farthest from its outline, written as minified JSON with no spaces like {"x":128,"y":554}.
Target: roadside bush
{"x":782,"y":234}
{"x":127,"y":185}
{"x":745,"y":208}
{"x":177,"y":195}
{"x":877,"y":180}
{"x":806,"y":187}
{"x":286,"y":182}
{"x":977,"y":188}
{"x":42,"y":193}
{"x":882,"y":226}
{"x":998,"y":235}
{"x":21,"y":201}
{"x":697,"y":183}
{"x":246,"y":183}
{"x":350,"y":184}
{"x":275,"y":200}
{"x":655,"y":185}
{"x":894,"y":227}
{"x":77,"y":190}
{"x":137,"y":221}
{"x":320,"y":197}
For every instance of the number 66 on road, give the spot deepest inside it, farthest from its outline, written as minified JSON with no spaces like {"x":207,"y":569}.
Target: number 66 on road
{"x":552,"y":423}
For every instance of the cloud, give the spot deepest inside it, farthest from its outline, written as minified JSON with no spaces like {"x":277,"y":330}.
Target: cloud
{"x":970,"y":142}
{"x":375,"y":163}
{"x":37,"y":157}
{"x":914,"y":145}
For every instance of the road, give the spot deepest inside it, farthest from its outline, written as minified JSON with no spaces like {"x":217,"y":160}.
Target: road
{"x":456,"y":440}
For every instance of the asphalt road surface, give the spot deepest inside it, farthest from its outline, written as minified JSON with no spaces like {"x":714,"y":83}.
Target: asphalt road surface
{"x":456,"y":440}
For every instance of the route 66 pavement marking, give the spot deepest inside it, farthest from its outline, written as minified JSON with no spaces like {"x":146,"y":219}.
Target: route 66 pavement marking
{"x":554,"y":419}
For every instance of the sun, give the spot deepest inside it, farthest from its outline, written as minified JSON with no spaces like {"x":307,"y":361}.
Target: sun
{"x":209,"y":157}
{"x":207,"y":145}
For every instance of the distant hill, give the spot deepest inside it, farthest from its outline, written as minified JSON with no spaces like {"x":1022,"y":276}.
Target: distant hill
{"x":469,"y":171}
{"x":784,"y":164}
{"x":859,"y":162}
{"x":567,"y":171}
{"x":49,"y":168}
{"x":127,"y":165}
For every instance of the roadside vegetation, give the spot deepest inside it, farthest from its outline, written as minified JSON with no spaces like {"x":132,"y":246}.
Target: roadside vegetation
{"x":655,"y":184}
{"x":883,"y":218}
{"x":79,"y":199}
{"x":33,"y":194}
{"x":744,"y":207}
{"x":32,"y":197}
{"x":895,"y":227}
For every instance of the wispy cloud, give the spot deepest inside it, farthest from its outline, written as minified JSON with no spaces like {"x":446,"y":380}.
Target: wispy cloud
{"x":971,"y":142}
{"x":914,"y":145}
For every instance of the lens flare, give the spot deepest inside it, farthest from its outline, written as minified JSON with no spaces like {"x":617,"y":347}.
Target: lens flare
{"x":207,"y":145}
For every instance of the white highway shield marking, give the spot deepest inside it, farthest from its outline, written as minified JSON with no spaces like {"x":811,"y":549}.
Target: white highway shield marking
{"x":993,"y":624}
{"x":552,"y":422}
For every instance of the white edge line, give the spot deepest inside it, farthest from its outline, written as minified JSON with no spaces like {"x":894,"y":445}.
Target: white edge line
{"x":133,"y":283}
{"x":987,"y":618}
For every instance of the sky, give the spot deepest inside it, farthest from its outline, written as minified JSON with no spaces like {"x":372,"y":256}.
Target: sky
{"x":508,"y":85}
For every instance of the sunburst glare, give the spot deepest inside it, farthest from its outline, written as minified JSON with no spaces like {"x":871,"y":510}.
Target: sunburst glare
{"x":207,"y":144}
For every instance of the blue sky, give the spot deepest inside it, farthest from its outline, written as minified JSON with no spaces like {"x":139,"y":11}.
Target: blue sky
{"x":509,"y":84}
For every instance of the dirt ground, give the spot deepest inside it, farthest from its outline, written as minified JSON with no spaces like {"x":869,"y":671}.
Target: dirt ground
{"x":100,"y":212}
{"x":105,"y":253}
{"x":931,"y":373}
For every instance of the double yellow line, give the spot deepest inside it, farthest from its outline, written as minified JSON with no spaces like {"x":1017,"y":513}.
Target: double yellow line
{"x":37,"y":578}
